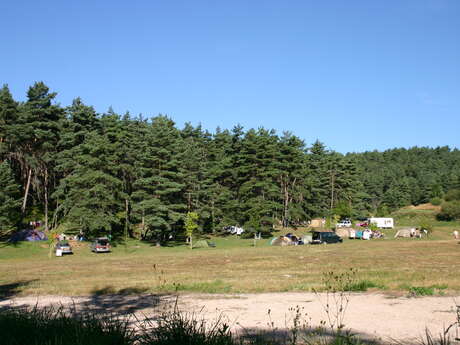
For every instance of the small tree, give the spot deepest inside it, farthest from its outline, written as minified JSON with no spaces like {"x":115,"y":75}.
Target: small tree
{"x":427,"y":225}
{"x":190,"y":226}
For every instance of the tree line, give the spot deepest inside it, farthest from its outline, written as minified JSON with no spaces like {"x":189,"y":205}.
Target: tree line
{"x":77,"y":168}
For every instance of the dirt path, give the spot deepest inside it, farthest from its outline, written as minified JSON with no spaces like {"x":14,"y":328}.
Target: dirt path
{"x":373,"y":315}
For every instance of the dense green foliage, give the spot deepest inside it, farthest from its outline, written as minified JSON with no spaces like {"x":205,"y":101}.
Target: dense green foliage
{"x":114,"y":173}
{"x":450,"y":209}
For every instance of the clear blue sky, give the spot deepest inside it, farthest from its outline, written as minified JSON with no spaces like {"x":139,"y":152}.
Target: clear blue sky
{"x":357,"y":75}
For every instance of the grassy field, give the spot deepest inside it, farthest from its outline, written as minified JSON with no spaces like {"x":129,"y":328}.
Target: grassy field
{"x":234,"y":266}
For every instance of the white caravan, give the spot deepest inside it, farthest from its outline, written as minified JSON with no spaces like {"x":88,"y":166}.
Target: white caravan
{"x":382,"y":223}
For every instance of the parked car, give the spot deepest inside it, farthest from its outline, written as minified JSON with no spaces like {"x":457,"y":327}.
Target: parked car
{"x":346,"y":223}
{"x":64,"y":246}
{"x":100,"y":245}
{"x":325,"y":237}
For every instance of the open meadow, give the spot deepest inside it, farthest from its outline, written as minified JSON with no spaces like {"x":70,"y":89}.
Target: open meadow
{"x":425,"y":266}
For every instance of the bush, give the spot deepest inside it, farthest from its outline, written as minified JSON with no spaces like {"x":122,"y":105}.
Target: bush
{"x":436,"y":201}
{"x":453,"y":194}
{"x":450,"y":210}
{"x":426,"y":224}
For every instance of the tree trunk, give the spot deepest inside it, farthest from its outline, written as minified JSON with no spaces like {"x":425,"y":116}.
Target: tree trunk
{"x":332,"y":190}
{"x":212,"y":216}
{"x":143,"y":221}
{"x":126,"y":220}
{"x":46,"y":199}
{"x":24,"y":202}
{"x":54,"y":221}
{"x":285,"y":205}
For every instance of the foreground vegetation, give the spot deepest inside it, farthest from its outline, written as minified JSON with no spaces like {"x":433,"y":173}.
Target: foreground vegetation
{"x":233,"y":266}
{"x":58,"y":327}
{"x":171,"y":325}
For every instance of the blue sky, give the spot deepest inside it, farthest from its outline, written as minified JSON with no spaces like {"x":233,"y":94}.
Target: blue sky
{"x":357,"y":75}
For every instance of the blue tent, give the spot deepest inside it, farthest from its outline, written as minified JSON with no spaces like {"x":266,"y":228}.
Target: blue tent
{"x":28,"y":235}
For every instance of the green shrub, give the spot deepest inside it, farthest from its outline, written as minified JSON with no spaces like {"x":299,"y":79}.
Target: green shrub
{"x":427,"y":224}
{"x":421,"y":291}
{"x":436,"y":201}
{"x":453,"y":194}
{"x":450,"y":210}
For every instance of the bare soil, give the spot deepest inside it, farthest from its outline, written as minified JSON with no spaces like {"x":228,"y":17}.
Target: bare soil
{"x":372,"y":315}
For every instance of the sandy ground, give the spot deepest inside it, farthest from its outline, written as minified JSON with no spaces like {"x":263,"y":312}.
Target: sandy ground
{"x":371,"y":315}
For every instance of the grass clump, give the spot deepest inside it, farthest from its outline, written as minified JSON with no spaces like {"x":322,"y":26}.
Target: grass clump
{"x":55,"y":327}
{"x":178,"y":327}
{"x":421,"y":291}
{"x":432,"y":290}
{"x":362,"y":285}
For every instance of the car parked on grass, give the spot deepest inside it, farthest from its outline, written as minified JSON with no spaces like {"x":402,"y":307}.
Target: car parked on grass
{"x":63,"y":247}
{"x":346,"y":223}
{"x":320,"y":237}
{"x":101,"y":245}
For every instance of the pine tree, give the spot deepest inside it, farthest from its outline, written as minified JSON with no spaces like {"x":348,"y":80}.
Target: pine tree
{"x":39,"y":126}
{"x":159,"y":189}
{"x":291,"y":176}
{"x":10,"y":200}
{"x":91,"y":195}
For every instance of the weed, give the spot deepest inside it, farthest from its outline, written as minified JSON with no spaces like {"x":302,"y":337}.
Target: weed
{"x":178,"y":327}
{"x":421,"y":291}
{"x":362,"y":285}
{"x":432,"y":290}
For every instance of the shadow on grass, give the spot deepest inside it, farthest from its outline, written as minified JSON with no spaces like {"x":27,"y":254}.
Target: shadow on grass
{"x":8,"y":243}
{"x":10,"y":290}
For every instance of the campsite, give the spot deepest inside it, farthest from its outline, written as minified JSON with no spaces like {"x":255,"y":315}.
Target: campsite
{"x":230,"y":172}
{"x":244,"y":281}
{"x":235,"y":265}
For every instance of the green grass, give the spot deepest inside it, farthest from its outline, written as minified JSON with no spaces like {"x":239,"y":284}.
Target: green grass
{"x":363,"y":285}
{"x":234,"y":266}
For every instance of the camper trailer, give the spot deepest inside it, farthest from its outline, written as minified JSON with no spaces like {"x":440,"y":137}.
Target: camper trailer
{"x":382,"y":223}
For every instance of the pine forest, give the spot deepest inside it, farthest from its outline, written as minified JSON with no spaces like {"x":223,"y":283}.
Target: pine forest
{"x":75,"y":168}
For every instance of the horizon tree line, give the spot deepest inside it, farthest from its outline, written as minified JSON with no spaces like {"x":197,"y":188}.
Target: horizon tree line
{"x":109,"y":173}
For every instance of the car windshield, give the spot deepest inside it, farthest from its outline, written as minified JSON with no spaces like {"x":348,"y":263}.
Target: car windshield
{"x":103,"y":242}
{"x":316,"y":235}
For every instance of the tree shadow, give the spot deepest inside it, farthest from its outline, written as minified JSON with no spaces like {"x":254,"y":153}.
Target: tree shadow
{"x":10,"y":290}
{"x":108,"y":300}
{"x":9,"y":243}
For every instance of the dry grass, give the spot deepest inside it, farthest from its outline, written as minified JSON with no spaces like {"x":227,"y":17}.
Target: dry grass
{"x":427,"y":206}
{"x":233,"y":266}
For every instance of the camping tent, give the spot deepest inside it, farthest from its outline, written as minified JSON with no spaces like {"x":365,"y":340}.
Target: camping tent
{"x":342,"y":232}
{"x":28,"y":235}
{"x":203,"y":244}
{"x":318,"y":223}
{"x":281,"y":241}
